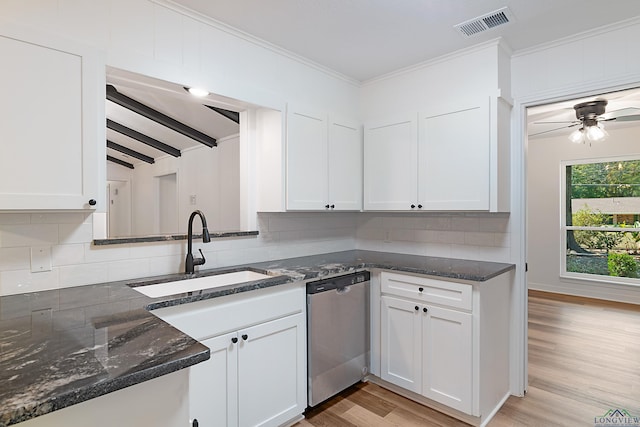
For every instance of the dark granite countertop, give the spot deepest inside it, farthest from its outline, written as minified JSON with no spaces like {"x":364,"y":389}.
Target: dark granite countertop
{"x":62,"y":347}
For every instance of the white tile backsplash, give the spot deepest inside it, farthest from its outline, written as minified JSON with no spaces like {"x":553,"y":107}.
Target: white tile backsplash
{"x":27,"y":235}
{"x":76,"y":261}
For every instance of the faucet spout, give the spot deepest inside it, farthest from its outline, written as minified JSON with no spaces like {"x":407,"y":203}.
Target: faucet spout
{"x":191,"y":262}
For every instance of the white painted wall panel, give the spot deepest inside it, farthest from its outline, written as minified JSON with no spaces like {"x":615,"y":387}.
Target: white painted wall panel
{"x":607,"y":57}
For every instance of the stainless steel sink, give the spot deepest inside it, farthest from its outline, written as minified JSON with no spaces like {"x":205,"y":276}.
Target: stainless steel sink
{"x":199,"y":283}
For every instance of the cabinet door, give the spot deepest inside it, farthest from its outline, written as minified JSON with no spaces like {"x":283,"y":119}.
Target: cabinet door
{"x":213,"y":384}
{"x":400,"y":343}
{"x":50,"y":122}
{"x":455,"y":159}
{"x":307,"y":182}
{"x":345,"y":165}
{"x":272,"y":368}
{"x":447,"y":349}
{"x":390,"y":164}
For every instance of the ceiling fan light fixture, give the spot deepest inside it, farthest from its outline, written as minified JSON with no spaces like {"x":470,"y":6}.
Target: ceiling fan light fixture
{"x":577,"y":136}
{"x":596,"y":133}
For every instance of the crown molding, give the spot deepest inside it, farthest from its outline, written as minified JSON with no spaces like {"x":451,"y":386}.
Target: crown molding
{"x":169,"y":4}
{"x":577,"y":37}
{"x":497,"y":42}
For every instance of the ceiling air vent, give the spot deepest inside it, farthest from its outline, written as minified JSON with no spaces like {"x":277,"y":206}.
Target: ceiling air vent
{"x":482,"y":23}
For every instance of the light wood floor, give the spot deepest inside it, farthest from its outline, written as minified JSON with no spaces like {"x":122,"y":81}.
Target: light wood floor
{"x":584,"y":359}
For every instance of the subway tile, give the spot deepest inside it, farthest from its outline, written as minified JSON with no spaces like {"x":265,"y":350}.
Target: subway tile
{"x":494,"y":255}
{"x":465,"y":223}
{"x":175,"y":264}
{"x":426,"y":236}
{"x":14,"y":218}
{"x":438,"y":223}
{"x":93,"y":253}
{"x":67,"y":254}
{"x":498,"y":224}
{"x":75,"y":233}
{"x":502,"y":240}
{"x":452,"y":237}
{"x":23,"y":281}
{"x":28,"y":235}
{"x":58,"y":218}
{"x":82,"y":274}
{"x":371,"y":234}
{"x":150,"y":250}
{"x":438,"y":250}
{"x":14,"y":259}
{"x":130,"y":269}
{"x":479,"y":239}
{"x":402,"y":234}
{"x":465,"y":252}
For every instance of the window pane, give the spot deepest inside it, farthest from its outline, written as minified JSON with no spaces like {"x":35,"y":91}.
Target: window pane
{"x":607,"y":253}
{"x":601,"y":194}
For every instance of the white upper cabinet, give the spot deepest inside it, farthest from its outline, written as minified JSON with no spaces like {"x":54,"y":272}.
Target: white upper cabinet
{"x":454,"y":158}
{"x":51,"y":122}
{"x":323,"y":162}
{"x":390,"y":163}
{"x":345,"y":164}
{"x":442,"y":159}
{"x":307,"y":171}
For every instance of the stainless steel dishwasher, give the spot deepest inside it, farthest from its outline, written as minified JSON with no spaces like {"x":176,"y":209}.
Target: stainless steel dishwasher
{"x":337,"y":334}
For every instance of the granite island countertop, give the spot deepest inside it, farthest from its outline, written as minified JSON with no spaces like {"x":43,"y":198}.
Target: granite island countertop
{"x":62,"y":347}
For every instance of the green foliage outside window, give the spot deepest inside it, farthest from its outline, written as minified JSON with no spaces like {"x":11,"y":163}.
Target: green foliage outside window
{"x":622,"y":265}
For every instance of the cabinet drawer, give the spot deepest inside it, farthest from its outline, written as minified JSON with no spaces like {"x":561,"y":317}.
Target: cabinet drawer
{"x":208,"y":318}
{"x":451,"y":294}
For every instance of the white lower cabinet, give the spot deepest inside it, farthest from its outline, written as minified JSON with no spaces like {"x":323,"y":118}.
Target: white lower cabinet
{"x":269,"y":372}
{"x":256,"y":375}
{"x":428,"y":350}
{"x":447,"y":357}
{"x":445,"y":342}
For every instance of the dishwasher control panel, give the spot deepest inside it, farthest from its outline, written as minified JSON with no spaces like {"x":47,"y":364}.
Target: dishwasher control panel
{"x":338,"y":282}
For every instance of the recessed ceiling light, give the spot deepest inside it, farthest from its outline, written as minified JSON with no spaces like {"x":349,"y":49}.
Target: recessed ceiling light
{"x":197,"y":91}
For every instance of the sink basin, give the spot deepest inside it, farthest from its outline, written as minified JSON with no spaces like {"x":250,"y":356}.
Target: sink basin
{"x":199,"y":283}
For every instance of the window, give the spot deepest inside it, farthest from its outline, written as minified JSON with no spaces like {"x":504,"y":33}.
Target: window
{"x":601,"y":219}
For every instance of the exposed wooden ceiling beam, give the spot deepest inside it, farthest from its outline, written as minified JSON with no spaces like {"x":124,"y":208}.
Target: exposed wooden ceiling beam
{"x":120,"y":162}
{"x":231,"y":115}
{"x":117,"y":127}
{"x":137,"y":107}
{"x":129,"y":152}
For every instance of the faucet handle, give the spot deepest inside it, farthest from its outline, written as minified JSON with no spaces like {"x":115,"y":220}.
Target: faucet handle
{"x":199,"y":261}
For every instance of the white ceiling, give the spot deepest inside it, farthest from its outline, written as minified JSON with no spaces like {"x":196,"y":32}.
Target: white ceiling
{"x":363,"y":39}
{"x":172,"y":100}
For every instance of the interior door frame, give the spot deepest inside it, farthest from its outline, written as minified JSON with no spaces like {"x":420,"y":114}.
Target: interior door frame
{"x":519,"y":348}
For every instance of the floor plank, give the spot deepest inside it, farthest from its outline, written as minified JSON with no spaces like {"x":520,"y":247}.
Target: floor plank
{"x":584,"y":359}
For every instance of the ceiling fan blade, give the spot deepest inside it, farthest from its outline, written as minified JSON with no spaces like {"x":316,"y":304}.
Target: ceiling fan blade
{"x":564,"y":121}
{"x":629,"y":118}
{"x":553,"y":130}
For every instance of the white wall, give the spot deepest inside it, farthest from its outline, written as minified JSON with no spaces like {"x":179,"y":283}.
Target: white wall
{"x":158,"y":39}
{"x":544,"y":186}
{"x":559,"y":71}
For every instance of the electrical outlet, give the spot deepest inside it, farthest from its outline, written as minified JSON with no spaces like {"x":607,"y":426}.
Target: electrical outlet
{"x":193,"y":199}
{"x":40,"y":259}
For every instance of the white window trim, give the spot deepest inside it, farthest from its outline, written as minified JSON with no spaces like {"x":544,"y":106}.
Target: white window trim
{"x":564,"y":274}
